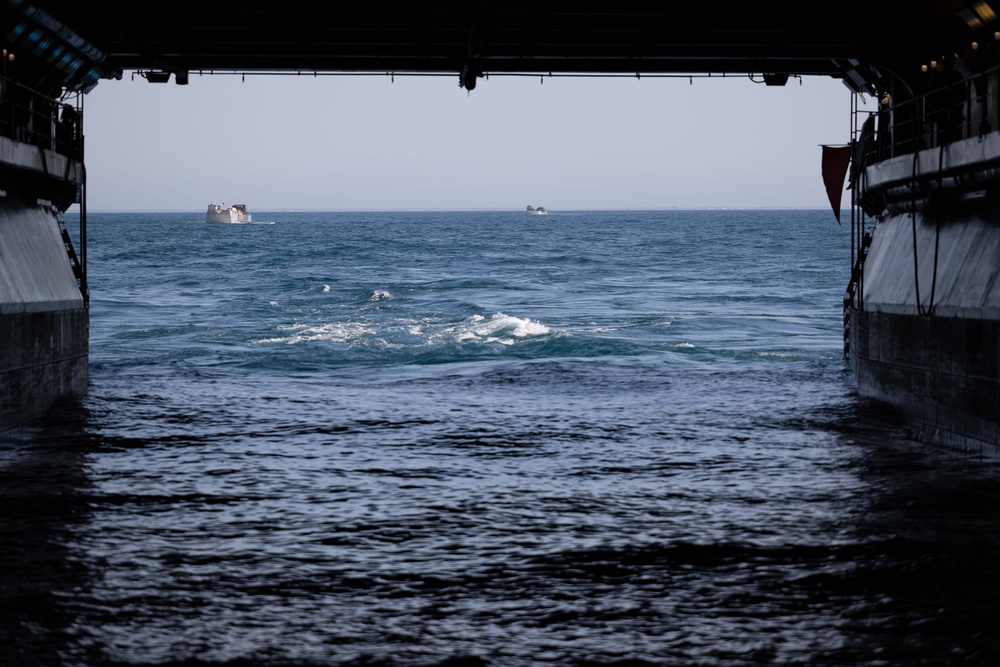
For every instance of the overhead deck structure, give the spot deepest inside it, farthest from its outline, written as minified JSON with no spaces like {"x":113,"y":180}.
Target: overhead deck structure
{"x":477,"y":38}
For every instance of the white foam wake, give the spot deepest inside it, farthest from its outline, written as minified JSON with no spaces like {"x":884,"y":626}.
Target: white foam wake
{"x":499,"y":328}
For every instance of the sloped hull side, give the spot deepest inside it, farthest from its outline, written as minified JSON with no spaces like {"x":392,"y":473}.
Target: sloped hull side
{"x":926,"y":339}
{"x":44,"y":322}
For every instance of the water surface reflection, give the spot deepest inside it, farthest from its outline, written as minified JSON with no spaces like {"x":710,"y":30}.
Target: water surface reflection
{"x":134,"y":551}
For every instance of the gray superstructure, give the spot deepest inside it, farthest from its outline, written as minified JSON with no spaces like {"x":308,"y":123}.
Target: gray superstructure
{"x":44,"y":308}
{"x":922,"y":313}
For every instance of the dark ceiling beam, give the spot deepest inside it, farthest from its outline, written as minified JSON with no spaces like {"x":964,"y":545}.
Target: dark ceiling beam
{"x":472,"y":38}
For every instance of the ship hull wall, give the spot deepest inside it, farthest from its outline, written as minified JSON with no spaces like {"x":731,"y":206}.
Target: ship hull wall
{"x":44,"y":321}
{"x":940,"y":373}
{"x":924,"y":333}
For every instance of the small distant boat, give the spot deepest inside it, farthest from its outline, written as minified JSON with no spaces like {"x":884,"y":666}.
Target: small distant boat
{"x":536,"y":211}
{"x":235,"y":213}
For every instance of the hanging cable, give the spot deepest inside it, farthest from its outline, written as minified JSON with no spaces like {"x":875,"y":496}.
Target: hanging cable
{"x":913,"y":221}
{"x":929,"y":310}
{"x":937,"y":234}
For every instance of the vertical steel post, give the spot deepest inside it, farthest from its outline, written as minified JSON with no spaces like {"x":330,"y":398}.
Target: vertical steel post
{"x":83,"y":213}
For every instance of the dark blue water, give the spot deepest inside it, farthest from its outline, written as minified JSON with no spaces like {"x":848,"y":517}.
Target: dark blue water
{"x":485,"y":438}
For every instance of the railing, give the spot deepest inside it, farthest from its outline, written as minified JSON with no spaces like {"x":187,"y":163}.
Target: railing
{"x":953,"y":107}
{"x":30,"y":117}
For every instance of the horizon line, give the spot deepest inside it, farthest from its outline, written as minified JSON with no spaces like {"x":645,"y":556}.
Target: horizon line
{"x":457,"y":209}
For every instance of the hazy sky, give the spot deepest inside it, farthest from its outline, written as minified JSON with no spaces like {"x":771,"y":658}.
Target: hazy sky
{"x":281,"y":142}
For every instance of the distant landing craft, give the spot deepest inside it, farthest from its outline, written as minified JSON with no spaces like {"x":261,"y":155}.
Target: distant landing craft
{"x":228,"y":214}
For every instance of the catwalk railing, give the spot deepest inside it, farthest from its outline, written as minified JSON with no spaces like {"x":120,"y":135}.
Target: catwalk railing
{"x":952,"y":107}
{"x":30,"y":117}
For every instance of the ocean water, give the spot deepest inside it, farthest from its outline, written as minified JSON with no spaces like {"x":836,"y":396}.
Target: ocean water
{"x":484,"y":438}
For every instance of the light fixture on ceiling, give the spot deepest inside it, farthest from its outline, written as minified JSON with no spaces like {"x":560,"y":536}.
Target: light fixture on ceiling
{"x":978,"y":15}
{"x":156,"y":77}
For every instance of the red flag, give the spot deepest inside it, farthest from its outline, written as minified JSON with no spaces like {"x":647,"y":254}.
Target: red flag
{"x":836,"y":160}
